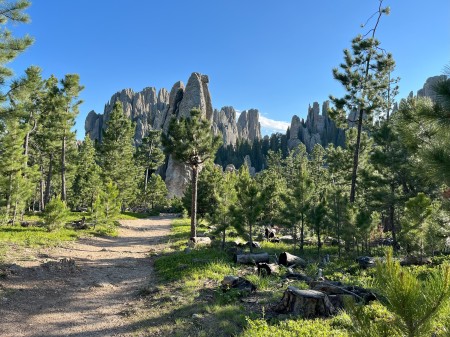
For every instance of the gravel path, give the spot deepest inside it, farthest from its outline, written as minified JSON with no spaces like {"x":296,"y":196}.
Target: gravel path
{"x":86,"y":289}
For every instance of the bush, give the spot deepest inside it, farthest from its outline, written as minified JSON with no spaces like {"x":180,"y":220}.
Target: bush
{"x":55,"y":214}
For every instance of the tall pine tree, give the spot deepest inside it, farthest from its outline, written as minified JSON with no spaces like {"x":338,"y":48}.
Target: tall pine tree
{"x":117,"y":154}
{"x":191,"y":141}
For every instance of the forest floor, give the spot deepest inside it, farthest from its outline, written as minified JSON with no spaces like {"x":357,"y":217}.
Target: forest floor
{"x":84,"y":288}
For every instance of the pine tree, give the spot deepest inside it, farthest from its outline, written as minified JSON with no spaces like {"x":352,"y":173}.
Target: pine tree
{"x":87,"y":182}
{"x":318,"y":206}
{"x":55,"y":214}
{"x":224,"y":195}
{"x":107,"y":205}
{"x":149,"y":154}
{"x":297,"y":199}
{"x":156,"y":194}
{"x":68,"y":110}
{"x":13,"y":164}
{"x":191,"y":141}
{"x":248,"y":206}
{"x":365,"y":75}
{"x":116,"y":154}
{"x":11,"y":47}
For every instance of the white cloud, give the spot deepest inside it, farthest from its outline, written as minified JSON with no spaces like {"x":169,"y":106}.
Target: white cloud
{"x":271,"y":124}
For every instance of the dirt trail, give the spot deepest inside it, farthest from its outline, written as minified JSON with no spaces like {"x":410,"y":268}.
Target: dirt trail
{"x":85,"y":289}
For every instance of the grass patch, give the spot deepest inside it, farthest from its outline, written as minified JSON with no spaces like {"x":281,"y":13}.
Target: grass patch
{"x":132,"y":216}
{"x":36,"y":236}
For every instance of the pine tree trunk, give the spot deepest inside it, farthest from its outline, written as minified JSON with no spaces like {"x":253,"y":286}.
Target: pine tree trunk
{"x":49,"y":181}
{"x":63,"y":168}
{"x":8,"y":196}
{"x":146,"y":180}
{"x":194,"y":202}
{"x":223,"y":239}
{"x":14,"y":212}
{"x":392,"y":220}
{"x":302,"y":233}
{"x":356,"y":157}
{"x":41,"y":195}
{"x":251,"y":239}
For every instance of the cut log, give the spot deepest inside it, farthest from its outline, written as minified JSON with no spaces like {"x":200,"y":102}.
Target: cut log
{"x":266,"y":269}
{"x":298,"y":277}
{"x":254,"y":244}
{"x":235,"y":282}
{"x":411,"y":260}
{"x":366,"y":262}
{"x":287,"y":260}
{"x":251,"y":258}
{"x":287,"y":239}
{"x":270,"y":233}
{"x":201,"y":240}
{"x":305,"y":303}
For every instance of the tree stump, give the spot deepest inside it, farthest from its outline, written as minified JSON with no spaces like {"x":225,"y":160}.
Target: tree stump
{"x":251,"y":258}
{"x":201,"y":240}
{"x":305,"y":303}
{"x":287,"y":260}
{"x":266,"y":269}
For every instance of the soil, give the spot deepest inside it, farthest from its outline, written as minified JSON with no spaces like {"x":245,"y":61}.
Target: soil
{"x":86,"y":288}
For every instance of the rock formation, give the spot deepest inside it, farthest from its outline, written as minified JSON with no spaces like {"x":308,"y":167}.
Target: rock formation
{"x":248,"y":125}
{"x":427,"y":89}
{"x":151,"y":110}
{"x":145,"y":108}
{"x":224,"y":122}
{"x":317,"y":129}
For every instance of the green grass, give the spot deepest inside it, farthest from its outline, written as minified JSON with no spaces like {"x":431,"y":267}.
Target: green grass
{"x":187,"y":299}
{"x":36,"y":236}
{"x":132,"y":216}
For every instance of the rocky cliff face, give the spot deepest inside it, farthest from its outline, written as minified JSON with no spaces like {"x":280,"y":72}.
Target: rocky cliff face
{"x":427,"y":89}
{"x":318,"y":128}
{"x":151,"y":110}
{"x":248,"y":125}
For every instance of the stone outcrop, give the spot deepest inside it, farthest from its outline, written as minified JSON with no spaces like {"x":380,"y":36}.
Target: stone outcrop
{"x":318,"y":128}
{"x":248,"y":125}
{"x":427,"y":89}
{"x":150,"y":109}
{"x":145,"y":108}
{"x":224,"y":122}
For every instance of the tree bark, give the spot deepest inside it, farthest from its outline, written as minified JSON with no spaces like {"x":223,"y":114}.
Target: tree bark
{"x":252,"y":258}
{"x":49,"y":180}
{"x":63,"y":168}
{"x":268,"y":269}
{"x":392,"y":219}
{"x":305,"y":303}
{"x":302,"y":233}
{"x":287,"y":259}
{"x":356,"y":157}
{"x":146,"y":180}
{"x":8,"y":196}
{"x":201,"y":240}
{"x":194,"y":201}
{"x":41,"y":191}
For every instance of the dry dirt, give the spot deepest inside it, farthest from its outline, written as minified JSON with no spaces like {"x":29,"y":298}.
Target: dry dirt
{"x":87,"y":288}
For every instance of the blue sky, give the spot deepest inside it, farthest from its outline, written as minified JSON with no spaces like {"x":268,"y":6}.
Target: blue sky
{"x":275,"y":56}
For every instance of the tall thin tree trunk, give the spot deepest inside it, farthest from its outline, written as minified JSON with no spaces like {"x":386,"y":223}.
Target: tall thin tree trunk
{"x":194,"y":201}
{"x":146,"y":179}
{"x":41,"y":195}
{"x":15,"y":212}
{"x":356,"y":157}
{"x":63,"y":168}
{"x":302,"y":233}
{"x":251,"y":239}
{"x":9,"y":195}
{"x":49,"y":181}
{"x":392,"y":219}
